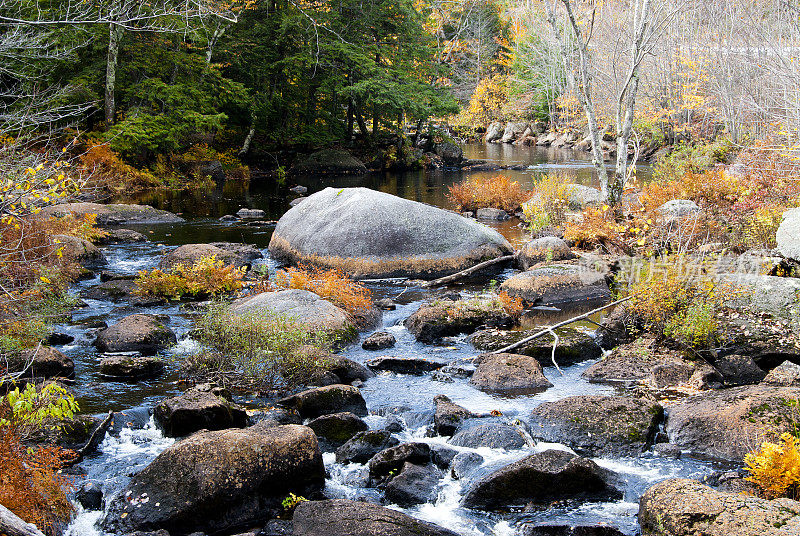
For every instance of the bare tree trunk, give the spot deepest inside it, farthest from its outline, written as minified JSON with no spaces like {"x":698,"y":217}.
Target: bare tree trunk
{"x":247,"y":141}
{"x":115,"y":33}
{"x":14,"y":526}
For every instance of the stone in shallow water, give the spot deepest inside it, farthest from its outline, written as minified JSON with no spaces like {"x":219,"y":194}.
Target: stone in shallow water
{"x":558,"y":284}
{"x":509,"y":374}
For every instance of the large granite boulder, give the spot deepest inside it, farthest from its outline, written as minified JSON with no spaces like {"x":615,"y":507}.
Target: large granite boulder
{"x":130,"y":367}
{"x":493,"y":435}
{"x":135,"y":333}
{"x":196,"y":410}
{"x":373,"y":234}
{"x":558,"y":284}
{"x":788,"y":235}
{"x":301,"y":305}
{"x":337,"y":428}
{"x":114,"y":214}
{"x":216,"y":481}
{"x":683,"y":507}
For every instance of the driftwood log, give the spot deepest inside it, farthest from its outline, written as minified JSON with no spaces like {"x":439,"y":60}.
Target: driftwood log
{"x":464,"y":273}
{"x":12,"y":525}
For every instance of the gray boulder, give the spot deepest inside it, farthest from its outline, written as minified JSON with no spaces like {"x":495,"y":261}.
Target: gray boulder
{"x":131,"y":368}
{"x":493,"y":435}
{"x":777,"y":296}
{"x":464,"y":463}
{"x":580,"y":196}
{"x":448,"y":416}
{"x":188,"y":254}
{"x":195,"y":410}
{"x":79,"y":251}
{"x":509,"y":374}
{"x":545,"y":249}
{"x":326,"y":400}
{"x":380,"y":340}
{"x":573,"y":346}
{"x":135,"y":333}
{"x":302,"y":305}
{"x":416,"y":484}
{"x":787,"y":374}
{"x":491,"y":214}
{"x":450,"y":153}
{"x":364,"y":445}
{"x":677,"y":209}
{"x":337,"y":428}
{"x":217,"y":481}
{"x":41,"y":362}
{"x":390,"y":461}
{"x":446,"y":318}
{"x":739,"y":369}
{"x":558,"y":284}
{"x":374,"y":234}
{"x":788,"y":235}
{"x":494,"y":132}
{"x":541,"y":478}
{"x":339,"y":517}
{"x":251,"y":213}
{"x":598,"y":425}
{"x":122,"y":236}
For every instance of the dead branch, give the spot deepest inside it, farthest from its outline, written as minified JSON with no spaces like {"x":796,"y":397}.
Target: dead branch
{"x":463,"y":273}
{"x":12,"y":525}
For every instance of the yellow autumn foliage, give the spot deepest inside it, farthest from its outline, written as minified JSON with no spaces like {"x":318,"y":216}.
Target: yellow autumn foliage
{"x":775,"y":468}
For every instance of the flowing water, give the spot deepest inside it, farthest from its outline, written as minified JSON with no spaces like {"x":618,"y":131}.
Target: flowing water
{"x":136,"y":441}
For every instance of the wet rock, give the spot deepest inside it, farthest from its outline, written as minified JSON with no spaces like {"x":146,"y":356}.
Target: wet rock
{"x":416,"y":484}
{"x":228,"y":218}
{"x":492,"y":435}
{"x":80,"y":251}
{"x":726,"y":424}
{"x":442,"y":455}
{"x":787,"y":374}
{"x":464,"y":463}
{"x":448,"y":416}
{"x":135,"y":333}
{"x":71,"y":434}
{"x":509,"y":374}
{"x":683,"y":507}
{"x":337,"y":428}
{"x":668,"y":450}
{"x":131,"y":368}
{"x":113,"y":214}
{"x":273,"y":416}
{"x":788,"y":235}
{"x":251,"y":213}
{"x":541,"y":478}
{"x":319,"y":401}
{"x":299,"y":190}
{"x":385,"y":304}
{"x":216,"y":481}
{"x":339,"y":517}
{"x":739,"y":370}
{"x":598,"y":425}
{"x":112,"y":290}
{"x":615,"y":329}
{"x":364,"y":445}
{"x":446,"y":318}
{"x":389,"y":462}
{"x":348,"y":370}
{"x":330,"y":161}
{"x":188,"y":254}
{"x":109,"y":275}
{"x":557,"y":284}
{"x":379,"y":341}
{"x":492,"y":214}
{"x":567,"y":530}
{"x":59,"y":339}
{"x":276,"y":527}
{"x":41,"y":362}
{"x":90,"y":495}
{"x":374,"y":234}
{"x":122,"y":236}
{"x":450,"y":153}
{"x":405,"y":365}
{"x":302,"y":304}
{"x":196,"y":410}
{"x":545,"y":249}
{"x":573,"y":346}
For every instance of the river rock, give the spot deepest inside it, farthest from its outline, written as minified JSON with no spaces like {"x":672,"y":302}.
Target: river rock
{"x":364,"y":445}
{"x":131,"y":368}
{"x":79,"y":251}
{"x":598,"y":425}
{"x":513,"y":131}
{"x":345,"y":369}
{"x":788,"y":235}
{"x":615,"y":328}
{"x":113,"y":214}
{"x":677,"y":209}
{"x":450,"y":153}
{"x":112,"y":290}
{"x":196,"y":410}
{"x":464,"y":463}
{"x":135,"y":333}
{"x":330,"y":161}
{"x":541,"y":478}
{"x":245,"y":253}
{"x":121,"y":236}
{"x":558,"y":284}
{"x":491,"y":214}
{"x":494,"y":132}
{"x":392,"y":460}
{"x":787,"y":374}
{"x":327,"y":400}
{"x":493,"y":435}
{"x":567,"y":530}
{"x":445,"y":318}
{"x":380,"y":340}
{"x":302,"y":305}
{"x":545,"y":249}
{"x":777,"y":296}
{"x":216,"y":481}
{"x":416,"y":484}
{"x":372,"y":234}
{"x":510,"y":374}
{"x":90,"y":495}
{"x":340,"y":517}
{"x":274,"y":416}
{"x":727,"y":423}
{"x":42,"y":362}
{"x":580,"y":196}
{"x":573,"y":346}
{"x":337,"y":428}
{"x":684,"y":507}
{"x":739,"y":369}
{"x":251,"y":213}
{"x":188,"y":254}
{"x":405,"y":365}
{"x":448,"y":416}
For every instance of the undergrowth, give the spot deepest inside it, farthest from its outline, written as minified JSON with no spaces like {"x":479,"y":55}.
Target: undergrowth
{"x":488,"y":192}
{"x":206,"y":277}
{"x":775,"y":467}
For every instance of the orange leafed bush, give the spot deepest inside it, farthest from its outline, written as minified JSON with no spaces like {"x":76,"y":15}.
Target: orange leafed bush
{"x":512,"y":306}
{"x":332,"y":285}
{"x":492,"y":192}
{"x":108,"y":170}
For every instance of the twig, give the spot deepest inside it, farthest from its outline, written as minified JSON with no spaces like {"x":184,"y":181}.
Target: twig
{"x":463,"y":273}
{"x":553,"y":352}
{"x":560,"y":324}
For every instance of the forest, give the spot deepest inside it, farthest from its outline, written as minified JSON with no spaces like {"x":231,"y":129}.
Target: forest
{"x":399,"y":268}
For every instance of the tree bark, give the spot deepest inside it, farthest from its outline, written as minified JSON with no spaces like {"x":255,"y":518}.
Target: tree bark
{"x":115,"y":33}
{"x":12,"y":525}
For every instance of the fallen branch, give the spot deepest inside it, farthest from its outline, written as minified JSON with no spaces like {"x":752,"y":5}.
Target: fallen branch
{"x":12,"y":525}
{"x":95,"y":439}
{"x":463,"y":273}
{"x":550,"y":329}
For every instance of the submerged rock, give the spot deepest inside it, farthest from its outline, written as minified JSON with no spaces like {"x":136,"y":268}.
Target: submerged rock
{"x":445,"y":318}
{"x":113,"y":214}
{"x":135,"y":333}
{"x":509,"y":374}
{"x":727,"y":423}
{"x":558,"y":284}
{"x":340,"y":517}
{"x":683,"y":507}
{"x":573,"y":346}
{"x":598,"y":425}
{"x":196,"y":410}
{"x":373,"y":234}
{"x":327,"y":400}
{"x":541,"y":478}
{"x":337,"y":428}
{"x":216,"y":481}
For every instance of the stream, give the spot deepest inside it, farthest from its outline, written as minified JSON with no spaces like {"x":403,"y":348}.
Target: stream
{"x":137,"y":441}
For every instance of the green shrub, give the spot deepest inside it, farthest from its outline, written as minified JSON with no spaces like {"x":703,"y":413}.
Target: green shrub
{"x":695,"y":327}
{"x":692,"y":158}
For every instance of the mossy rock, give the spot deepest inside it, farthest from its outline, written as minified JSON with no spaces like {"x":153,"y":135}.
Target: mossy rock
{"x":330,"y":161}
{"x":573,"y":346}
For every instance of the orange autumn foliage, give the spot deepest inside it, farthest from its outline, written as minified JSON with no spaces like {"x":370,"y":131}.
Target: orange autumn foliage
{"x":488,"y":192}
{"x":332,"y":285}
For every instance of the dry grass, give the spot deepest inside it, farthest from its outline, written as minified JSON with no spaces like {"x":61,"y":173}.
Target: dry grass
{"x":492,"y":192}
{"x":332,"y":285}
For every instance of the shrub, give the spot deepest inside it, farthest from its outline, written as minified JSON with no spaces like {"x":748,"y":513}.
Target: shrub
{"x":205,"y":277}
{"x":694,"y":327}
{"x":492,"y":192}
{"x":109,"y":171}
{"x":332,"y":285}
{"x":548,"y":202}
{"x":775,"y":468}
{"x":84,"y":227}
{"x":256,"y":349}
{"x":485,"y":303}
{"x":692,"y":158}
